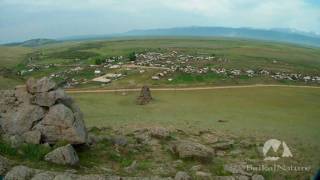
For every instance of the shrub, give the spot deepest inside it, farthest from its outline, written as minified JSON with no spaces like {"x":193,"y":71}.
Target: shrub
{"x":98,"y":61}
{"x":132,"y":56}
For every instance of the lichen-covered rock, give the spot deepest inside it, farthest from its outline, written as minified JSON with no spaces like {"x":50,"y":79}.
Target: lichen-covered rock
{"x":60,"y":123}
{"x":20,"y":173}
{"x":188,"y":149}
{"x":65,"y":155}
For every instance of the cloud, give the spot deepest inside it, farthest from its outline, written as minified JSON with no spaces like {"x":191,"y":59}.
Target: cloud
{"x":109,"y":16}
{"x":272,"y":13}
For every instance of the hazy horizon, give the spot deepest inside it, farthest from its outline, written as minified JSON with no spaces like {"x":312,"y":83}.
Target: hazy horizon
{"x":27,"y":19}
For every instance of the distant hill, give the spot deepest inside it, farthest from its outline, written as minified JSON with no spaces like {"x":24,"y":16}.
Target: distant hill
{"x":33,"y":42}
{"x":280,"y":35}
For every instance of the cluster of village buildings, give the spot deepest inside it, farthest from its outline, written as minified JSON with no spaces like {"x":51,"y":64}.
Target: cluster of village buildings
{"x":167,"y":63}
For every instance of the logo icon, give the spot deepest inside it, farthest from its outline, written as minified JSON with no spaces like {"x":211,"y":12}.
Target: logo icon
{"x":275,"y":144}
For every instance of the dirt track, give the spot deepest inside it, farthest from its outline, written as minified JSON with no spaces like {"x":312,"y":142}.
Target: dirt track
{"x":184,"y":89}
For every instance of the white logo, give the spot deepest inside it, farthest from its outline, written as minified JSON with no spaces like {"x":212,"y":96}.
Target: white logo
{"x":275,"y":144}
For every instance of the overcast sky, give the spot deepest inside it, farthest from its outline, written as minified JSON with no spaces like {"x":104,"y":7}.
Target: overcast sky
{"x":27,"y":19}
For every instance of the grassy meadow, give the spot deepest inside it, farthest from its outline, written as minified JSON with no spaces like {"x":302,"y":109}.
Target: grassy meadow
{"x":288,"y":114}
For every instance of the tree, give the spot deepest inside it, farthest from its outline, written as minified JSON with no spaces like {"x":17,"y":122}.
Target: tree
{"x":132,"y":56}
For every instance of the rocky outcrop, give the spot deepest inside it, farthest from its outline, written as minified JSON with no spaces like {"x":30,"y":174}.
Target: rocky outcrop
{"x":40,"y":107}
{"x":145,"y":96}
{"x":65,"y":155}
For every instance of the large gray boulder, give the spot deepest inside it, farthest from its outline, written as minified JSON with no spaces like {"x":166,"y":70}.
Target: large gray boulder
{"x":39,"y":86}
{"x":60,"y":123}
{"x":22,"y":121}
{"x":188,"y":149}
{"x":20,"y":173}
{"x":65,"y":155}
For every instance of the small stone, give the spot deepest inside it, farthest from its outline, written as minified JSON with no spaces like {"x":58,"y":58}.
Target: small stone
{"x":196,"y":168}
{"x":257,"y":177}
{"x":209,"y":138}
{"x":63,"y":155}
{"x":119,"y":140}
{"x":223,"y":145}
{"x":235,"y":169}
{"x":188,"y":149}
{"x":181,"y":175}
{"x":44,"y":176}
{"x":159,"y":132}
{"x":203,"y":175}
{"x":19,"y":173}
{"x":221,"y":153}
{"x":132,"y":167}
{"x":224,"y":178}
{"x":66,"y":176}
{"x":241,"y":177}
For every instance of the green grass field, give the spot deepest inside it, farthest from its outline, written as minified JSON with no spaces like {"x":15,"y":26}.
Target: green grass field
{"x":289,"y":114}
{"x":292,"y":112}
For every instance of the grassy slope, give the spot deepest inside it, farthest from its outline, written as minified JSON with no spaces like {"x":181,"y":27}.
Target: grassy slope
{"x":11,"y":56}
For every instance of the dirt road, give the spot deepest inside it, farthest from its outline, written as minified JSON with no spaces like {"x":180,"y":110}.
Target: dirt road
{"x":185,"y":88}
